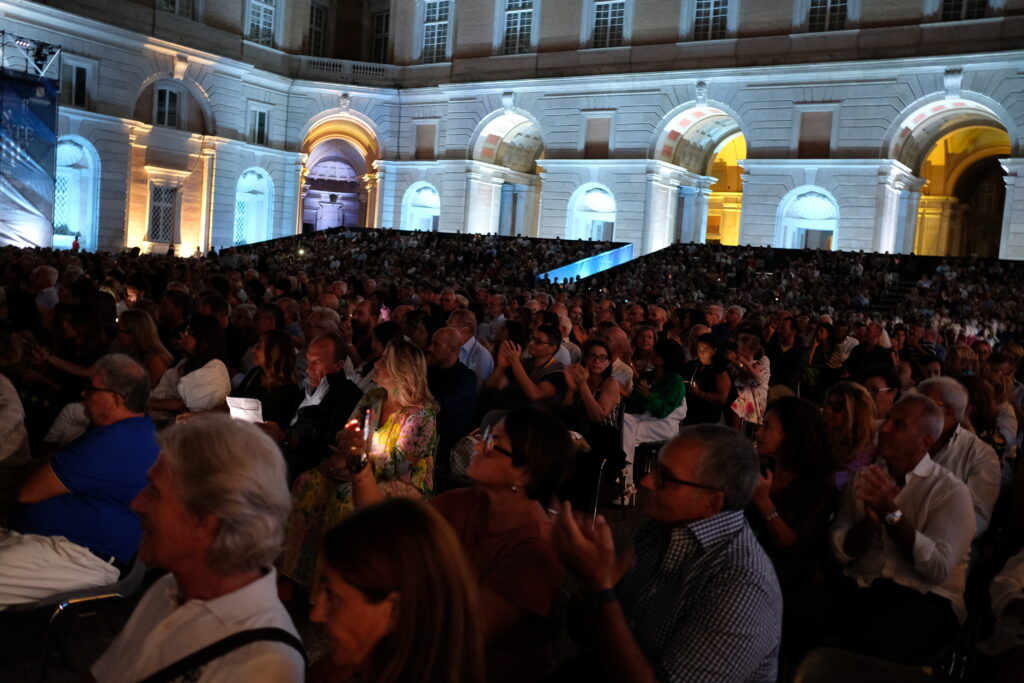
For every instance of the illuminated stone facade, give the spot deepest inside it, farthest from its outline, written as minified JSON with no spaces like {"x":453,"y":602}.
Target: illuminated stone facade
{"x":852,"y":124}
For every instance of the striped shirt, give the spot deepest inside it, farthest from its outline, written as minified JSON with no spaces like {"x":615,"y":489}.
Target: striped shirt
{"x":703,"y":601}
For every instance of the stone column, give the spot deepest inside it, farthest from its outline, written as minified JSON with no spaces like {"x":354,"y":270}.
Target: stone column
{"x":1011,"y":242}
{"x":483,"y":202}
{"x":694,"y":221}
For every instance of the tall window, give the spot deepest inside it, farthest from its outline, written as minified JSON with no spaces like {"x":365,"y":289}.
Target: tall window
{"x":74,"y":86}
{"x":253,"y":203}
{"x":162,"y":200}
{"x":75,"y":193}
{"x":609,"y":20}
{"x":166,"y":107}
{"x":435,"y":31}
{"x":958,"y":10}
{"x":827,"y":15}
{"x":258,"y":127}
{"x":183,"y":8}
{"x":261,"y":21}
{"x":379,"y":49}
{"x":518,"y":26}
{"x":317,"y":21}
{"x":711,"y":19}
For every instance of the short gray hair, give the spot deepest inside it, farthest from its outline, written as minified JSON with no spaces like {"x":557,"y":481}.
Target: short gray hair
{"x":952,"y":392}
{"x":931,"y":419}
{"x":236,"y":473}
{"x":123,"y":374}
{"x":729,"y":463}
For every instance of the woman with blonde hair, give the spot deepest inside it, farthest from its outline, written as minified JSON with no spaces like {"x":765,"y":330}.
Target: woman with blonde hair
{"x":400,"y":600}
{"x":399,"y":420}
{"x":849,"y":414}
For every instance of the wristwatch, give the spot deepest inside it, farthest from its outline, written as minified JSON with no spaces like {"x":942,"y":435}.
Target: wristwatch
{"x":894,"y":517}
{"x":595,"y":599}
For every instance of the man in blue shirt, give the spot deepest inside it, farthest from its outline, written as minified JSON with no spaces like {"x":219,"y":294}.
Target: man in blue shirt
{"x":701,"y":602}
{"x":73,"y":527}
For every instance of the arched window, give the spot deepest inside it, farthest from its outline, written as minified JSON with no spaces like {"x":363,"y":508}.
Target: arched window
{"x":253,"y":203}
{"x":421,"y":208}
{"x":75,"y":193}
{"x":591,"y":214}
{"x":808,"y":219}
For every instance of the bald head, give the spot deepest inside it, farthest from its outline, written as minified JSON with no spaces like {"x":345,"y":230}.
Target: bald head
{"x":444,"y":347}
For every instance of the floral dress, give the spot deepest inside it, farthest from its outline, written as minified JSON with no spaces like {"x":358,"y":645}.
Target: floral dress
{"x":402,"y":452}
{"x":752,"y":392}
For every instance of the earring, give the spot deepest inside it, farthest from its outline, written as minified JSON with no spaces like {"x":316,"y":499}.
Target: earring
{"x":515,"y":489}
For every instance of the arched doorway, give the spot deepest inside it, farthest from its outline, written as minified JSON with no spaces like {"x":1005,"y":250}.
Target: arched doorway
{"x":421,"y":208}
{"x":75,"y":193}
{"x":708,"y":143}
{"x":254,"y":201}
{"x":338,"y":188}
{"x":591,"y":214}
{"x":953,"y":146}
{"x":808,"y":218}
{"x":504,"y":187}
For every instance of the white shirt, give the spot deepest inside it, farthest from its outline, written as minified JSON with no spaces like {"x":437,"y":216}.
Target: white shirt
{"x":160,"y":632}
{"x":312,"y":399}
{"x":938,"y":506}
{"x":624,"y":374}
{"x":478,"y":359}
{"x":974,"y":463}
{"x":1006,"y":587}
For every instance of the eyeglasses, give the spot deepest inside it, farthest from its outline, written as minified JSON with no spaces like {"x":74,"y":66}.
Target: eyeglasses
{"x":540,"y":340}
{"x":91,"y":389}
{"x":662,"y":476}
{"x":596,"y":356}
{"x":879,"y":390}
{"x":488,"y":441}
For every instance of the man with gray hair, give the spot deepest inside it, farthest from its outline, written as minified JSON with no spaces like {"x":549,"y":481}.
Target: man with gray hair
{"x":472,"y":353}
{"x":961,"y":452}
{"x":902,"y":530}
{"x":73,"y":527}
{"x":702,"y":600}
{"x":213,"y":515}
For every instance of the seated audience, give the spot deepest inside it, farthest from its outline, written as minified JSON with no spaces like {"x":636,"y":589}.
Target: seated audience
{"x":707,"y":381}
{"x":272,"y":380}
{"x":399,"y":602}
{"x":824,"y":363}
{"x":399,"y":447}
{"x":750,"y":372}
{"x":213,"y":516}
{"x":472,"y":353}
{"x":962,"y":452}
{"x":73,"y":527}
{"x":502,"y":522}
{"x":883,"y":383}
{"x":700,"y":600}
{"x":902,"y":532}
{"x":536,"y":381}
{"x":1006,"y":645}
{"x":794,"y":499}
{"x":453,"y":386}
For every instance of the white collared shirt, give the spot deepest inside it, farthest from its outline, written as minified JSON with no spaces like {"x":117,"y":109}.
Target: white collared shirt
{"x":312,"y":399}
{"x":161,"y":631}
{"x":938,"y":505}
{"x":973,"y":462}
{"x":478,"y":359}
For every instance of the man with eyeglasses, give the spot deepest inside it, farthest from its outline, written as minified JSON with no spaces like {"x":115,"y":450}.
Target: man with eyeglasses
{"x":701,"y":601}
{"x":73,"y":527}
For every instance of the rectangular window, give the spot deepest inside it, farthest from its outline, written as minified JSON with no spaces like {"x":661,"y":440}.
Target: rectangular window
{"x":74,"y":86}
{"x":827,"y":15}
{"x":61,"y":201}
{"x":258,"y":127}
{"x":317,"y":23}
{"x":710,"y":22}
{"x":597,"y":138}
{"x":609,"y":20}
{"x":162,"y":200}
{"x":435,"y":31}
{"x":261,"y":21}
{"x":166,"y":108}
{"x":426,"y":140}
{"x":379,"y":49}
{"x":518,"y":26}
{"x":182,"y":8}
{"x":815,"y":135}
{"x":960,"y":10}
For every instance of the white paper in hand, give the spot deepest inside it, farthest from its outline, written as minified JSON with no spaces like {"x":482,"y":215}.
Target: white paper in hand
{"x":246,"y":409}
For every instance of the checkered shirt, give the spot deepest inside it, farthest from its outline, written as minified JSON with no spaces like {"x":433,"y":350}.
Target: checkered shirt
{"x":703,"y":601}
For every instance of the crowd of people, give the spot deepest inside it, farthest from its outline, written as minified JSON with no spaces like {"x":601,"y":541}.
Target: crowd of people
{"x":414,"y":433}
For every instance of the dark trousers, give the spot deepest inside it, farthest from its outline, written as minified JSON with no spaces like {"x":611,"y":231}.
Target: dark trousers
{"x":885,"y":620}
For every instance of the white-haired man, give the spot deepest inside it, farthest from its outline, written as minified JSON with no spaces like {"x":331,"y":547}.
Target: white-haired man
{"x":961,"y":452}
{"x":902,"y":529}
{"x":213,"y":515}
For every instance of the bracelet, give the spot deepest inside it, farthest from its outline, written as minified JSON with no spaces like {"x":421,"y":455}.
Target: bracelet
{"x":771,"y":515}
{"x":595,"y":599}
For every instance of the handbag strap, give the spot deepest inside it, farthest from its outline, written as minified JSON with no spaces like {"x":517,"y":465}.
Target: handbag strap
{"x":222,"y":647}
